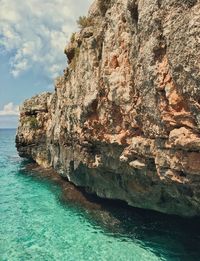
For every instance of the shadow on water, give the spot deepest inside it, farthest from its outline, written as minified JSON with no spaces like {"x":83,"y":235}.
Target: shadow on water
{"x":169,"y":237}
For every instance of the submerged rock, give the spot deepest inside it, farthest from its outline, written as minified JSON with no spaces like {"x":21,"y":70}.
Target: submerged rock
{"x":124,"y":120}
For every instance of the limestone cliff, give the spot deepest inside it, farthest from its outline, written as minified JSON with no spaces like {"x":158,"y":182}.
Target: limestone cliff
{"x":124,"y":120}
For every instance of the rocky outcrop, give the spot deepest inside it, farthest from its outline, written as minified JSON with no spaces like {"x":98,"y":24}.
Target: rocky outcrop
{"x":124,"y":120}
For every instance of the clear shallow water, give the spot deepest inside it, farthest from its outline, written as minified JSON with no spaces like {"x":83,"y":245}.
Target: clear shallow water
{"x":37,"y":224}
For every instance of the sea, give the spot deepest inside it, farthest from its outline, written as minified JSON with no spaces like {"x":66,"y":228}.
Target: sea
{"x":38,"y":223}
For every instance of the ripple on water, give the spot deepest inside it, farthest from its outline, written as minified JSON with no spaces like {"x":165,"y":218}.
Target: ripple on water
{"x":39,"y":223}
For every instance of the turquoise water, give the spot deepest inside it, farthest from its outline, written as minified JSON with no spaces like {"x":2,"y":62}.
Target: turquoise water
{"x":37,"y":224}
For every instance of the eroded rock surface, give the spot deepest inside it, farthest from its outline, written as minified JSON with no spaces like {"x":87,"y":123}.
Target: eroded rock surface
{"x":124,"y":120}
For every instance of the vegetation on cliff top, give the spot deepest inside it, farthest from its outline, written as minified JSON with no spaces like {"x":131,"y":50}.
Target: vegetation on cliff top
{"x":84,"y":22}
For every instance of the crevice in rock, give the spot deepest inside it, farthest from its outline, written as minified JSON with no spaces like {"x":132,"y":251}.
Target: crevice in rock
{"x":71,"y":166}
{"x":133,"y":8}
{"x":182,"y":174}
{"x":151,"y":164}
{"x":159,"y":2}
{"x":160,"y":52}
{"x":161,"y":49}
{"x":100,"y":50}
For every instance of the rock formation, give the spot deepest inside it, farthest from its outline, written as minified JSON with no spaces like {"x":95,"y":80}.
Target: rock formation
{"x":124,"y":119}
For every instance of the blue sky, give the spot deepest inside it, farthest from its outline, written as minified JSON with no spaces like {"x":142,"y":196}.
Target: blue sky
{"x":33,"y":35}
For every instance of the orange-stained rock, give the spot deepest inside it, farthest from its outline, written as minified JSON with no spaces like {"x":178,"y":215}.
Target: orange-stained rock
{"x":184,"y":138}
{"x":114,"y":62}
{"x":124,"y":119}
{"x":192,"y":163}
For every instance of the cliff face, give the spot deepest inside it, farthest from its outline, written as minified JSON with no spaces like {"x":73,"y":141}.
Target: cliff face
{"x":124,"y":120}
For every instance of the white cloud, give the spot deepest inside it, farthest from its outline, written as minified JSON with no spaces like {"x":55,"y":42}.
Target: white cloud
{"x":35,"y":32}
{"x":10,"y":110}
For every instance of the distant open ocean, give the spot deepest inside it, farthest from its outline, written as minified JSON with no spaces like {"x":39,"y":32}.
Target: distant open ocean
{"x":36,"y":224}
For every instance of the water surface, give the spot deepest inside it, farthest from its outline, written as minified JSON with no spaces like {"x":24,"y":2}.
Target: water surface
{"x":38,"y":223}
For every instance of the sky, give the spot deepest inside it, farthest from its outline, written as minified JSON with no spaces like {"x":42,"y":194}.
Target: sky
{"x":33,"y":35}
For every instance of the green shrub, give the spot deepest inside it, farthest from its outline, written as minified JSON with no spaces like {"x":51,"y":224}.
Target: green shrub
{"x":32,"y":122}
{"x":84,"y":22}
